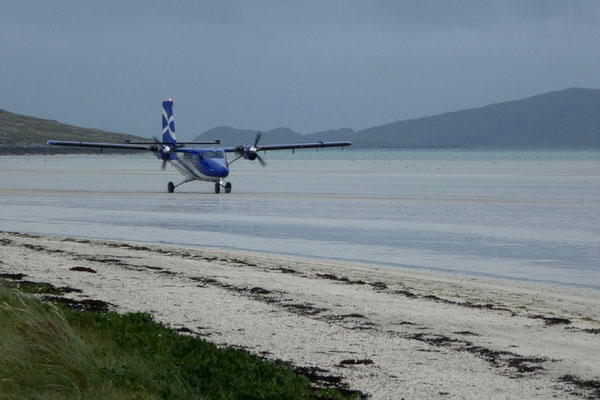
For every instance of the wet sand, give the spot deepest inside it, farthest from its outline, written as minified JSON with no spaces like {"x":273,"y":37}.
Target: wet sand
{"x":528,"y":216}
{"x":390,"y":333}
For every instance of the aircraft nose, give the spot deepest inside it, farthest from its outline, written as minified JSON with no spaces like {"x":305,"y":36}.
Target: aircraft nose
{"x":217,"y":168}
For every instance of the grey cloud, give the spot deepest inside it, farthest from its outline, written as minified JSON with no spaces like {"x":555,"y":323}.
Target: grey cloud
{"x":309,"y":65}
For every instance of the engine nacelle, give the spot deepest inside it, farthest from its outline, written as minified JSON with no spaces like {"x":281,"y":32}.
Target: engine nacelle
{"x":250,"y":155}
{"x":165,"y":155}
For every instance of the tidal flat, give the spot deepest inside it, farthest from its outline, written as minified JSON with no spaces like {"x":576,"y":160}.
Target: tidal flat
{"x":523,"y":215}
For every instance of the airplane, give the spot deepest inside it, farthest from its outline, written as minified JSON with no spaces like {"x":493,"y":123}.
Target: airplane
{"x":197,"y":164}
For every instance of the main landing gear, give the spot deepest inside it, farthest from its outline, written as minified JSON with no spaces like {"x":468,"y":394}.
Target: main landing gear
{"x":171,"y":187}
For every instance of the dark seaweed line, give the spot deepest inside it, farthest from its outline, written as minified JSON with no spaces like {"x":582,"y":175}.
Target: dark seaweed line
{"x":360,"y":322}
{"x":78,"y":256}
{"x":262,"y":295}
{"x":497,"y":358}
{"x":590,"y":388}
{"x":381,"y":287}
{"x":519,"y":365}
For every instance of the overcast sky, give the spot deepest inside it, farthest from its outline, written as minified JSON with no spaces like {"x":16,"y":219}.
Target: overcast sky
{"x":306,"y":65}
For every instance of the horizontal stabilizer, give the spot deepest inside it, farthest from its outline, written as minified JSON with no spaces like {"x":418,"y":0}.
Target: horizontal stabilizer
{"x":169,"y":143}
{"x":213,"y":142}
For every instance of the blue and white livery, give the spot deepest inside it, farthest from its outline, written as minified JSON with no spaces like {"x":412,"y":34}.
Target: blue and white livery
{"x":197,"y":164}
{"x":168,"y":124}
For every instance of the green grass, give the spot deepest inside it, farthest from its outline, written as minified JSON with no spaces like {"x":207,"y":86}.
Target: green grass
{"x":51,"y":352}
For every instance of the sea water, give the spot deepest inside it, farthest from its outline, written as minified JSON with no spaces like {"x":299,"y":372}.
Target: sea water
{"x":525,"y":215}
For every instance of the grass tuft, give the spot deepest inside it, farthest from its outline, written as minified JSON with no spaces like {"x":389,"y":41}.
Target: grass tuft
{"x":52,"y":352}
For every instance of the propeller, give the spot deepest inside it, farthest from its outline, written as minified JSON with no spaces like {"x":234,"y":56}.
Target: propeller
{"x":255,"y":149}
{"x":251,"y":153}
{"x":166,"y":150}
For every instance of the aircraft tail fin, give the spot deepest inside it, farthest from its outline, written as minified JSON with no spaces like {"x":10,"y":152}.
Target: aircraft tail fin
{"x":168,"y":124}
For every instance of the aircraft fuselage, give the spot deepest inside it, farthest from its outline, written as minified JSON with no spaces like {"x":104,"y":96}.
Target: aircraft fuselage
{"x":199,"y":164}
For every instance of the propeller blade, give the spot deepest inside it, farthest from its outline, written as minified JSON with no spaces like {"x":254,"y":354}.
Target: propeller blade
{"x":165,"y":152}
{"x":260,"y":160}
{"x":256,"y":140}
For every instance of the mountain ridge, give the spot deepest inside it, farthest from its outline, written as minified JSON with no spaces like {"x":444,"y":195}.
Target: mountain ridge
{"x":563,"y":118}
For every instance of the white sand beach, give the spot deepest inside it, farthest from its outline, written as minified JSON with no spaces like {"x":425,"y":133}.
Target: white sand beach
{"x":390,"y":333}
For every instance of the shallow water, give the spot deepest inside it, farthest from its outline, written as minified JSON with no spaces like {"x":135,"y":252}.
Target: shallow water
{"x":526,"y":215}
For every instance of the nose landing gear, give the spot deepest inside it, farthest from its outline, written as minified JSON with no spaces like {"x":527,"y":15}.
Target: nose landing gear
{"x":226,"y":186}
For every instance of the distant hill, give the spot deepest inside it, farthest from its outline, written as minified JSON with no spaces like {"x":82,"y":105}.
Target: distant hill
{"x":20,"y":133}
{"x":566,"y":118}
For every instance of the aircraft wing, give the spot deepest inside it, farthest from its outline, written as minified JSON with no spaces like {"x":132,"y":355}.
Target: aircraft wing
{"x":148,"y":147}
{"x":314,"y":145}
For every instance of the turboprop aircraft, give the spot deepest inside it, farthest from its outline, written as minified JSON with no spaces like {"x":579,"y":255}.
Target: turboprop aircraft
{"x":197,"y":164}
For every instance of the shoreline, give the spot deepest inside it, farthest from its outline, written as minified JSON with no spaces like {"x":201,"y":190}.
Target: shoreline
{"x":440,"y":272}
{"x":386,"y":331}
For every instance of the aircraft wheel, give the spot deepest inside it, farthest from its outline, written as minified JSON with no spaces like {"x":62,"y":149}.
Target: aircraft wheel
{"x":217,"y":188}
{"x":170,"y":187}
{"x":228,"y":187}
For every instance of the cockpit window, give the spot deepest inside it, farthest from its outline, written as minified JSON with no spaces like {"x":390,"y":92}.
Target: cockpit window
{"x":213,"y":154}
{"x":193,"y":157}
